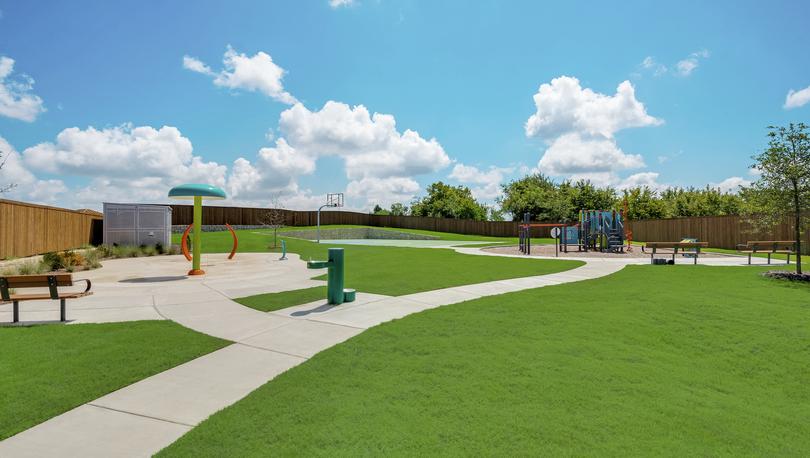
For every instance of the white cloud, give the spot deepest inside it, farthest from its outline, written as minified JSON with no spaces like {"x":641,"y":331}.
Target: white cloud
{"x":124,"y":163}
{"x":686,"y":66}
{"x":657,"y":68}
{"x":796,"y":99}
{"x":338,"y":3}
{"x":488,"y":182}
{"x":564,"y":106}
{"x":256,"y":73}
{"x":579,"y":124}
{"x":275,"y":172}
{"x":571,"y":153}
{"x":28,"y":187}
{"x":377,"y":157}
{"x":731,"y":184}
{"x":649,"y":179}
{"x":196,"y":65}
{"x":16,"y":99}
{"x":383,"y":191}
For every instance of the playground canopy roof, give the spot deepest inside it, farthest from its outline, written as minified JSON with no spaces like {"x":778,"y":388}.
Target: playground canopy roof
{"x":189,"y":191}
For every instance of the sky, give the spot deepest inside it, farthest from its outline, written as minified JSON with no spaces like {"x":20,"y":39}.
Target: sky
{"x":281,"y":102}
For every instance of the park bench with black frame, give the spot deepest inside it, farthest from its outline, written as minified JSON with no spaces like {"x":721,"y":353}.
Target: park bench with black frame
{"x":770,"y":247}
{"x":676,"y":247}
{"x":51,"y":281}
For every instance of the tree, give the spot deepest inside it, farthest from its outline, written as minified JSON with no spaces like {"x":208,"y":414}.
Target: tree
{"x":8,"y":186}
{"x":445,"y":201}
{"x":397,"y":209}
{"x":783,"y":186}
{"x":538,"y":195}
{"x":274,"y":218}
{"x":377,"y":210}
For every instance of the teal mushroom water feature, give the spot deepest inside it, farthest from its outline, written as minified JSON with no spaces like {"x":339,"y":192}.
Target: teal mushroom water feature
{"x":197,"y":192}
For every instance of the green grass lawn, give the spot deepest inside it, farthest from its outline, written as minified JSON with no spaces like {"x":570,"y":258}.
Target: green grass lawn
{"x":394,"y":270}
{"x":50,"y":369}
{"x":276,"y":301}
{"x":677,"y":361}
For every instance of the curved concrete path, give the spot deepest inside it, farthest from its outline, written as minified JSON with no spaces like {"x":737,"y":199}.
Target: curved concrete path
{"x":143,"y":418}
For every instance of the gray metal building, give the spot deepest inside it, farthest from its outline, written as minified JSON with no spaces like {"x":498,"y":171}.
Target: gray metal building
{"x":137,"y":224}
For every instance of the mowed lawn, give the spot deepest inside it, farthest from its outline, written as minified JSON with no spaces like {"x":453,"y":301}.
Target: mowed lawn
{"x":653,"y":360}
{"x":393,"y":270}
{"x":47,"y":370}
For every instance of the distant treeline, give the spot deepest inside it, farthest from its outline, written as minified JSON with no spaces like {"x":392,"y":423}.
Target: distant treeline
{"x":547,"y":200}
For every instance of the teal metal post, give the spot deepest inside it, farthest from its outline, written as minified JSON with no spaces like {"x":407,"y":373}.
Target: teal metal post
{"x":283,"y":251}
{"x":335,"y":294}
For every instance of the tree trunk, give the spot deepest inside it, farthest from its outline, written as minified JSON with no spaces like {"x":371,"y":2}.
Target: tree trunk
{"x":275,"y":237}
{"x":797,"y":227}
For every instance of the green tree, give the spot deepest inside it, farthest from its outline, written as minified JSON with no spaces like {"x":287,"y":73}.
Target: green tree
{"x":445,"y":201}
{"x":783,"y":187}
{"x":377,"y":210}
{"x":397,"y":209}
{"x":642,"y":203}
{"x":539,"y":196}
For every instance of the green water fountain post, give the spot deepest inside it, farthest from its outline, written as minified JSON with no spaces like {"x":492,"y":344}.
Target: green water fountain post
{"x":335,"y":293}
{"x":197,"y":192}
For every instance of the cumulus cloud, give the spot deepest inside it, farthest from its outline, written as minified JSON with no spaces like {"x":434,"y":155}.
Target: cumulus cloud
{"x":578,"y":126}
{"x":378,"y":158}
{"x":383,"y":191}
{"x":563,"y":106}
{"x":796,"y":99}
{"x":573,"y":154}
{"x":124,"y":162}
{"x":486,"y":184}
{"x":731,"y":184}
{"x":256,"y":74}
{"x":17,"y":100}
{"x":28,"y":186}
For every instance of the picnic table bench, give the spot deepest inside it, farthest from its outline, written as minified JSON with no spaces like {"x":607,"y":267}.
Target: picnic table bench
{"x":676,"y":247}
{"x":51,"y":281}
{"x":770,"y":247}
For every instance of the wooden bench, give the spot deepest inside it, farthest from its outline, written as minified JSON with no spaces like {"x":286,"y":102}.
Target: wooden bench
{"x":675,"y":247}
{"x":53,"y":282}
{"x":770,"y":247}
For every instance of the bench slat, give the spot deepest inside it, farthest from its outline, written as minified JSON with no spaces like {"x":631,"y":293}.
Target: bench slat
{"x":35,"y":281}
{"x":39,"y":297}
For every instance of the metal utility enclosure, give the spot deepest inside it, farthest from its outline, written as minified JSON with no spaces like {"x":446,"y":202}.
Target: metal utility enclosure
{"x":137,"y":224}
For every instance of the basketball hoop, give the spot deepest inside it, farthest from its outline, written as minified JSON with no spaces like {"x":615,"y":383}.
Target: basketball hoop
{"x":333,"y":200}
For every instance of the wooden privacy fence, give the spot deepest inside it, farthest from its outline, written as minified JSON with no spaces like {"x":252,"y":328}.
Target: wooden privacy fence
{"x":719,"y":231}
{"x":29,"y":229}
{"x":183,"y":215}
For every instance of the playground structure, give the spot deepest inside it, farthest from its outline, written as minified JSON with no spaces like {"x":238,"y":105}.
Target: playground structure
{"x":335,"y":293}
{"x":595,"y":230}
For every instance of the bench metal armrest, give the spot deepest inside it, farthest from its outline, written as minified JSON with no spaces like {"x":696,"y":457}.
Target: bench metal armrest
{"x":89,"y":285}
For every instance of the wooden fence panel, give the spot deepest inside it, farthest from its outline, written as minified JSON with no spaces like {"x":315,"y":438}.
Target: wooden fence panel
{"x":28,"y":229}
{"x":720,"y":231}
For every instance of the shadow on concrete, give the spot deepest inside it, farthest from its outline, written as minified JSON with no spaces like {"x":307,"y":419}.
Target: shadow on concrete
{"x":153,"y":279}
{"x":319,"y":309}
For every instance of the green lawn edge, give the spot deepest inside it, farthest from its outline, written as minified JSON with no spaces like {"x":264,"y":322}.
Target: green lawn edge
{"x":50,"y":369}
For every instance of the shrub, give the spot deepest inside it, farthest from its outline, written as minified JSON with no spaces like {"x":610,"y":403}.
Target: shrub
{"x":32,"y":267}
{"x":91,"y":259}
{"x":149,"y":250}
{"x":53,"y":260}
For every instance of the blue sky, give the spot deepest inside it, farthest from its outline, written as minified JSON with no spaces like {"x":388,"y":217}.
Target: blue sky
{"x":92,"y":85}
